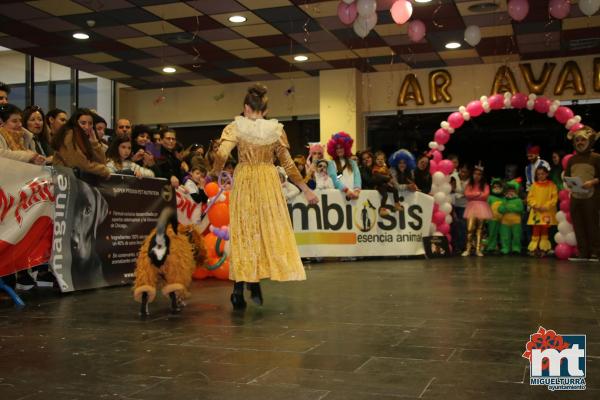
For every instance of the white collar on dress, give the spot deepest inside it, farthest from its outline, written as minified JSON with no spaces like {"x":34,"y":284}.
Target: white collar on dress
{"x":259,"y":131}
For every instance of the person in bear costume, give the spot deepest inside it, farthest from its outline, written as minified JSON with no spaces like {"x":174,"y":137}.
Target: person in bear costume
{"x":493,"y":225}
{"x":585,"y":165}
{"x":511,"y":209}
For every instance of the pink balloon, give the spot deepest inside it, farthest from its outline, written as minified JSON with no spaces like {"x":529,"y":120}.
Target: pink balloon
{"x":401,"y":11}
{"x":446,"y":166}
{"x":456,"y":120}
{"x":439,"y":218}
{"x":441,"y":136}
{"x":443,"y":228}
{"x":496,"y":102}
{"x":449,"y":237}
{"x":559,"y":9}
{"x":433,"y":167}
{"x":563,"y":114}
{"x":542,"y":105}
{"x":519,"y":100}
{"x":563,"y":195}
{"x":565,"y":160}
{"x":565,"y":205}
{"x":475,"y":108}
{"x":437,"y":155}
{"x":518,"y":9}
{"x":436,"y":207}
{"x":576,"y":127}
{"x":416,"y":30}
{"x":347,"y":12}
{"x":569,"y":220}
{"x":563,"y":251}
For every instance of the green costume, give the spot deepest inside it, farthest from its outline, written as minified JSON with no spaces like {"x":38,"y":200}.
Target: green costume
{"x":493,"y":225}
{"x":512,"y":208}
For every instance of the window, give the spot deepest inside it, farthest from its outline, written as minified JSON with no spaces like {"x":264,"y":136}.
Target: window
{"x":52,"y":85}
{"x":12,"y":65}
{"x":96,"y":93}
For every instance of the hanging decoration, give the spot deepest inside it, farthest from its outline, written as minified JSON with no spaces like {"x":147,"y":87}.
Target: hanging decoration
{"x":559,"y":9}
{"x":401,"y":11}
{"x":589,"y":7}
{"x":441,"y":168}
{"x":416,"y":30}
{"x":518,"y":9}
{"x":473,"y":35}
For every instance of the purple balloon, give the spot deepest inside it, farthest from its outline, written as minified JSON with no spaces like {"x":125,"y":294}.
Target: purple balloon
{"x":416,"y":30}
{"x":518,"y":9}
{"x":563,"y":251}
{"x":559,"y":9}
{"x":347,"y":12}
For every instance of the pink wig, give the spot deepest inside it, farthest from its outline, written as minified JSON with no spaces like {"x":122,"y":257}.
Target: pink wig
{"x":340,"y":139}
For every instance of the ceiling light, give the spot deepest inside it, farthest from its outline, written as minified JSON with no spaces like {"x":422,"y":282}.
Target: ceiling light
{"x":423,"y":1}
{"x":169,"y":70}
{"x":81,"y":36}
{"x":301,"y":58}
{"x":453,"y":45}
{"x":238,"y":19}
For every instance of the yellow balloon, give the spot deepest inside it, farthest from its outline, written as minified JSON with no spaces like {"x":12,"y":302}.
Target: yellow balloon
{"x":504,"y":81}
{"x":537,"y":86}
{"x":570,"y":78}
{"x":410,"y":90}
{"x":439,"y":81}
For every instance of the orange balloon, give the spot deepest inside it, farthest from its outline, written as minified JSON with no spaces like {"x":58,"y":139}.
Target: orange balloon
{"x":218,"y":215}
{"x":200,"y":273}
{"x":210,"y":241}
{"x":211,"y":189}
{"x":222,"y":272}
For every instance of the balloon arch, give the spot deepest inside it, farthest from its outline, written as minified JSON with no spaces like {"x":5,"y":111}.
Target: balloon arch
{"x":442,"y":168}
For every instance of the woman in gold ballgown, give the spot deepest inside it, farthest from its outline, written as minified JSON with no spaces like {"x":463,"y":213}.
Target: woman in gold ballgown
{"x":262,"y":238}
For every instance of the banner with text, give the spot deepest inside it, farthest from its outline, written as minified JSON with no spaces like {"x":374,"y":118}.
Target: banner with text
{"x":26,"y":212}
{"x":100,"y":227}
{"x":339,"y":228}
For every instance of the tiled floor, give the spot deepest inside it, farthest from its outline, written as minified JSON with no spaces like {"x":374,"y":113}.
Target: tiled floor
{"x":385,"y":329}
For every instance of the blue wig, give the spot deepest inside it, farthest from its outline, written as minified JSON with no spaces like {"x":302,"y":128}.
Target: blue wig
{"x":405,"y":156}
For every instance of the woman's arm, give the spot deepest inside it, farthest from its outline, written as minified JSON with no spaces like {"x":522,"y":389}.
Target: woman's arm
{"x":356,"y":173}
{"x":332,"y":172}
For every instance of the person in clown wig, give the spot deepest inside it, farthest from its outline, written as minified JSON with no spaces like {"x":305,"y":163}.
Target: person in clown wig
{"x":342,"y":169}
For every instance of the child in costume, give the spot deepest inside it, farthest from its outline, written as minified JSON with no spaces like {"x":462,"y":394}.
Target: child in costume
{"x":322,"y":179}
{"x":493,"y":225}
{"x":541,"y":199}
{"x":477,"y":211}
{"x":342,"y":169}
{"x":195,"y":184}
{"x":511,"y":210}
{"x":403,"y":164}
{"x":383,"y":176}
{"x":316,"y":153}
{"x":585,"y":205}
{"x":289,"y":189}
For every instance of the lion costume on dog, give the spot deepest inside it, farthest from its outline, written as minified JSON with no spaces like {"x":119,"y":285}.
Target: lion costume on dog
{"x":168,"y":259}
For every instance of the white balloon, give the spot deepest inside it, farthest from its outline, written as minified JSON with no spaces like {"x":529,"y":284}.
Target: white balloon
{"x":432,"y":228}
{"x":446,"y":208}
{"x":348,"y":1}
{"x":466,"y":116}
{"x":446,"y":188}
{"x":448,"y":219}
{"x":561,"y":216}
{"x":589,"y":7}
{"x":565,"y":228}
{"x":559,"y":238}
{"x":441,"y":147}
{"x":507,"y":95}
{"x":486,"y":106}
{"x":530,"y":104}
{"x":366,"y":7}
{"x":462,"y":109}
{"x":483,"y":98}
{"x":571,"y":122}
{"x":551,"y":113}
{"x":440,"y":197}
{"x":433,"y":145}
{"x":507,"y":103}
{"x":438,"y":178}
{"x":434,"y":188}
{"x":438,"y":234}
{"x":371,"y":20}
{"x":445,"y":124}
{"x":570,"y":239}
{"x":360,"y":27}
{"x":473,"y":35}
{"x":532,"y":96}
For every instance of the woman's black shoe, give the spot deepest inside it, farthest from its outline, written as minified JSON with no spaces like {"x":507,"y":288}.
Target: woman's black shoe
{"x":238,"y":302}
{"x":256,"y":293}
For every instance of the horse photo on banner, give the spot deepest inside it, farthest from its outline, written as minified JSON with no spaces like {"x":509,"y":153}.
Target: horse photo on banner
{"x":26,"y":214}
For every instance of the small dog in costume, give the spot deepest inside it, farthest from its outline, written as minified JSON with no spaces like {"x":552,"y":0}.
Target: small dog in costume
{"x":168,"y":258}
{"x":493,"y":225}
{"x":511,"y":209}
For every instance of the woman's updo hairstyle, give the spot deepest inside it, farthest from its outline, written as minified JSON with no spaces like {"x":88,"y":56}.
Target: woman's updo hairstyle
{"x":256,"y":98}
